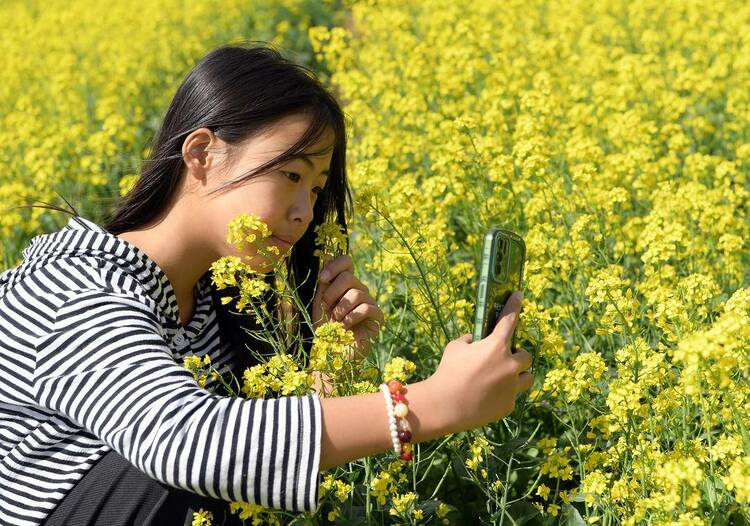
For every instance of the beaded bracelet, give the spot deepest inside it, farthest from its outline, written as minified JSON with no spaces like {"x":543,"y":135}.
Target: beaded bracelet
{"x":394,"y":392}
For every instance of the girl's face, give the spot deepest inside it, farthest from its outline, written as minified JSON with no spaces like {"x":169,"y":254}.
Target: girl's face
{"x":283,"y":199}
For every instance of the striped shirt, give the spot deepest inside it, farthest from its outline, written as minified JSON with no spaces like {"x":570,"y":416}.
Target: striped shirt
{"x":90,"y":361}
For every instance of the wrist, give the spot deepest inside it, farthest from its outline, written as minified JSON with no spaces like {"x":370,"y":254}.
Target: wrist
{"x":430,"y":415}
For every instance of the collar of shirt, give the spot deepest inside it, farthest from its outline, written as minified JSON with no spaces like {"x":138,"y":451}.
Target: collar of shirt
{"x":82,"y":236}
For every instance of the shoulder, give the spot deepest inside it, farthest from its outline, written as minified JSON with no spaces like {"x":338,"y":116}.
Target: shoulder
{"x":102,"y":270}
{"x":67,"y":283}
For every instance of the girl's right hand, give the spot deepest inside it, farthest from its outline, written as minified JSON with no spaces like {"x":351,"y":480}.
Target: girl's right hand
{"x":478,"y":382}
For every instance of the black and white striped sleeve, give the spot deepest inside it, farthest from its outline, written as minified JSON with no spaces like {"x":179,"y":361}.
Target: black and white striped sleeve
{"x":106,"y":367}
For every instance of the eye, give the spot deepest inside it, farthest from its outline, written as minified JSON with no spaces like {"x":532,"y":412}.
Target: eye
{"x":295,"y":177}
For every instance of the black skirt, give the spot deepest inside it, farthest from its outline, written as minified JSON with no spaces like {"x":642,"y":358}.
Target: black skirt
{"x":116,"y":493}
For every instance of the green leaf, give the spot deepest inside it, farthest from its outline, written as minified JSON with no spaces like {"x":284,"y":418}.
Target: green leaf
{"x":572,"y":517}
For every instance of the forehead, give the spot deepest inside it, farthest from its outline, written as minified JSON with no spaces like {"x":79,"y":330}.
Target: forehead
{"x":284,"y":134}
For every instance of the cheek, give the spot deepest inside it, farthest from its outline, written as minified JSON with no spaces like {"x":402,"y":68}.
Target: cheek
{"x":256,"y":199}
{"x":259,"y":200}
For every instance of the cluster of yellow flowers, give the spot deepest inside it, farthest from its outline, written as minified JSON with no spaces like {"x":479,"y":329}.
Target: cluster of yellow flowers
{"x":338,"y":489}
{"x":200,"y":368}
{"x":202,"y":518}
{"x":330,"y":238}
{"x":243,"y":231}
{"x":249,"y":230}
{"x":478,"y":450}
{"x":80,"y":95}
{"x":332,"y":343}
{"x":385,"y":483}
{"x":257,"y":513}
{"x":614,"y":137}
{"x":280,"y":374}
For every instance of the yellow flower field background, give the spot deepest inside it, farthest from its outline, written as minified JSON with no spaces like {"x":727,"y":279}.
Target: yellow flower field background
{"x":614,"y":136}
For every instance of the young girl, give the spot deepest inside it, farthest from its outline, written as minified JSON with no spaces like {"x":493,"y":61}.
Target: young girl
{"x":99,"y":422}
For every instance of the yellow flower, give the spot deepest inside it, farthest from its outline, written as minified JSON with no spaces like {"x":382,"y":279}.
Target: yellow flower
{"x":126,"y":183}
{"x":259,"y":514}
{"x":331,"y":341}
{"x":593,"y":484}
{"x":402,"y":503}
{"x":477,"y":451}
{"x":398,"y":368}
{"x":192,"y":362}
{"x":330,"y":239}
{"x":543,"y":491}
{"x":197,"y":367}
{"x":246,"y":229}
{"x":382,"y":486}
{"x":738,"y":479}
{"x":202,"y":518}
{"x":225,"y":270}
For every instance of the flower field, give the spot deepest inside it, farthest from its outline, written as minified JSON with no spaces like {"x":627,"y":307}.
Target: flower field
{"x":613,"y":136}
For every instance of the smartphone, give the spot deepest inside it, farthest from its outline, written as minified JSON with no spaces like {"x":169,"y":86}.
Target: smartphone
{"x":501,"y":272}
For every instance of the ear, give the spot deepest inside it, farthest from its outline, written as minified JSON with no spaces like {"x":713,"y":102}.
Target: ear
{"x":198,"y":151}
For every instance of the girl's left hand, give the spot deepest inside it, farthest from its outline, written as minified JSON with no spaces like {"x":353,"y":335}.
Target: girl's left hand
{"x":342,"y":297}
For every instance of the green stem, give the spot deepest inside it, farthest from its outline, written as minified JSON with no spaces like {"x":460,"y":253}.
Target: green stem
{"x":421,"y":273}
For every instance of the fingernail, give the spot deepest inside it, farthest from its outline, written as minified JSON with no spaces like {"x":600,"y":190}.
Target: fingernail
{"x":324,"y":276}
{"x":519,"y":295}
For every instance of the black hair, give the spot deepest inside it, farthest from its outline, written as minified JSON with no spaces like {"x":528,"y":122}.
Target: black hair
{"x":238,"y":91}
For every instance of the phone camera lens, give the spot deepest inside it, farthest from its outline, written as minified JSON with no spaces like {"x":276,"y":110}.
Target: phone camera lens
{"x":501,"y":258}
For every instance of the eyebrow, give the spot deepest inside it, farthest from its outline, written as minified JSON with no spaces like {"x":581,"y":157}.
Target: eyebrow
{"x":306,"y":158}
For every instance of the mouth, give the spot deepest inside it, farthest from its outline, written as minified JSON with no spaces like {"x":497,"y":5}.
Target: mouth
{"x":286,"y":245}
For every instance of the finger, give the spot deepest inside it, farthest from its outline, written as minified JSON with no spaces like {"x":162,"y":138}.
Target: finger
{"x":525,"y":381}
{"x":335,"y":267}
{"x":319,"y":300}
{"x":362,"y":348}
{"x":503,"y":329}
{"x":324,"y":260}
{"x":351,"y":299}
{"x":523,"y":358}
{"x":339,"y":286}
{"x":373,"y":326}
{"x":466,"y":338}
{"x":360,"y":313}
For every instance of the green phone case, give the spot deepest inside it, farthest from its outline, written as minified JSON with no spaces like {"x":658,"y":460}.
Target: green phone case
{"x":501,"y":273}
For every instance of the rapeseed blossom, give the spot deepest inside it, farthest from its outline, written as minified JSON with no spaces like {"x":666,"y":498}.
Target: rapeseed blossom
{"x":202,"y":518}
{"x":399,"y":368}
{"x":338,"y":488}
{"x":613,"y":136}
{"x":200,"y":368}
{"x":247,"y":230}
{"x":385,"y":484}
{"x":330,"y":239}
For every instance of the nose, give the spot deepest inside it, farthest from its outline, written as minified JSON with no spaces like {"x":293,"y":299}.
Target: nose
{"x":302,"y":211}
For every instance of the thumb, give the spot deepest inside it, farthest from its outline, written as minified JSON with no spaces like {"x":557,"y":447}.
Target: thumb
{"x":318,"y":297}
{"x":320,"y":289}
{"x":508,"y":317}
{"x":324,"y":260}
{"x":465,"y":338}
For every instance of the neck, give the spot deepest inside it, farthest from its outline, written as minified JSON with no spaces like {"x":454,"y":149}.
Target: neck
{"x":175,"y":245}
